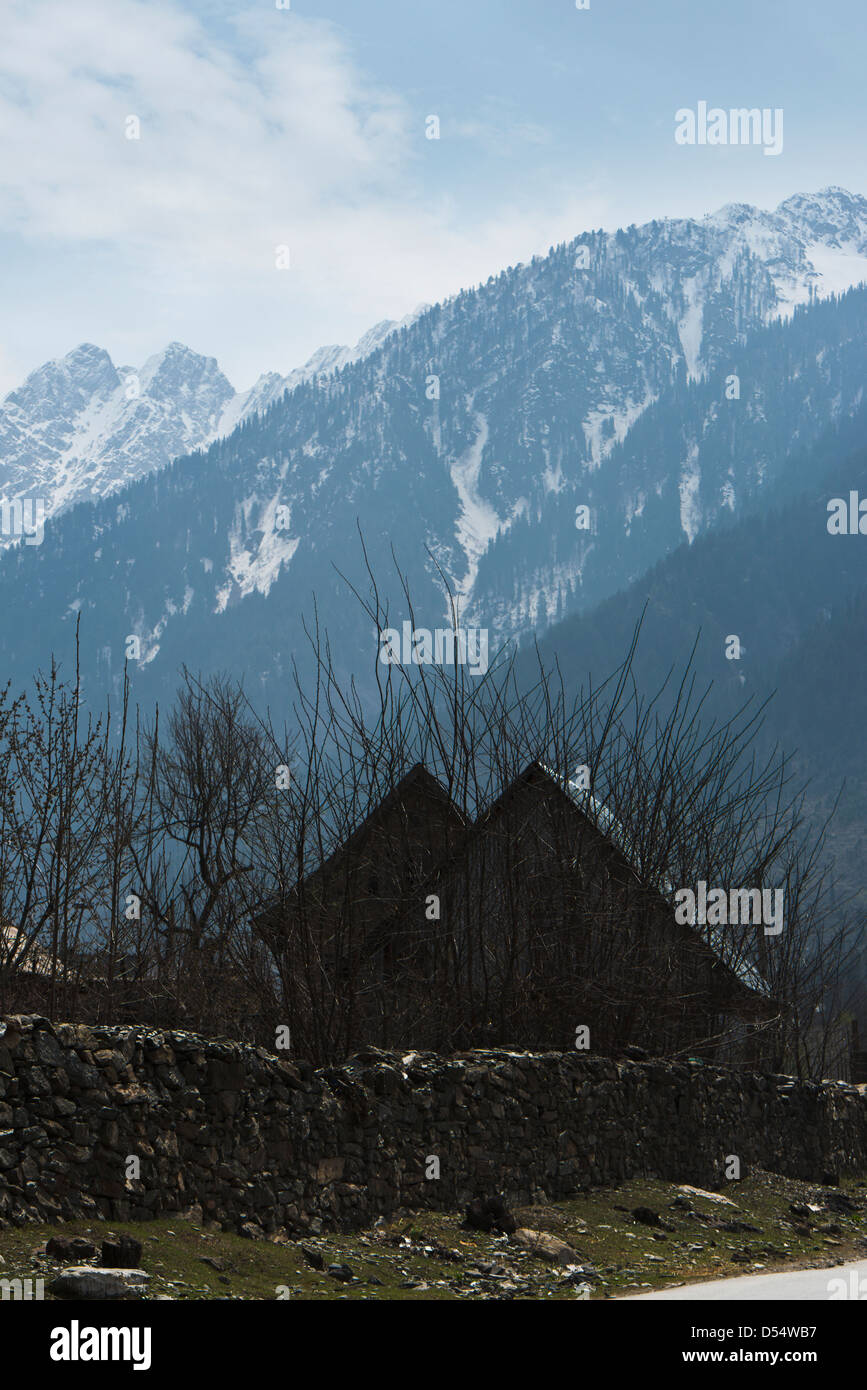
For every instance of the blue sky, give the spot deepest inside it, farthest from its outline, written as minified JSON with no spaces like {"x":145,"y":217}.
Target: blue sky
{"x":306,"y":128}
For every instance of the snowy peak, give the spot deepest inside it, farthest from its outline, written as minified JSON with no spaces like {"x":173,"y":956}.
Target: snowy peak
{"x":814,"y":244}
{"x":607,"y":323}
{"x":79,"y":428}
{"x":66,"y":384}
{"x":331,"y":358}
{"x":757,"y":264}
{"x":835,"y":214}
{"x":177,"y":373}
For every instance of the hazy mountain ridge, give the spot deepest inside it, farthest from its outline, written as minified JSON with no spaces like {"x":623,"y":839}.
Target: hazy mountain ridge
{"x":795,"y":597}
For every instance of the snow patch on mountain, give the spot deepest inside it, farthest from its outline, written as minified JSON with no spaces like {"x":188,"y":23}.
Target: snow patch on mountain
{"x":477,"y":522}
{"x":609,"y":425}
{"x":634,"y":508}
{"x":552,"y":477}
{"x":255,"y":567}
{"x":838,"y":267}
{"x":690,"y":328}
{"x":690,"y":506}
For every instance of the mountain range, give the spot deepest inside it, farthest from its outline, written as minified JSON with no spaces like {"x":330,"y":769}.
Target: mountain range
{"x":543,"y":440}
{"x":79,"y":428}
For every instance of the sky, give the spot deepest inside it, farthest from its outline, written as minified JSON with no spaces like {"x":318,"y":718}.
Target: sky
{"x":282,"y":192}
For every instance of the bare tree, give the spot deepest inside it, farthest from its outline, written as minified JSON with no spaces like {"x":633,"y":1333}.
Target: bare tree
{"x":432,"y":857}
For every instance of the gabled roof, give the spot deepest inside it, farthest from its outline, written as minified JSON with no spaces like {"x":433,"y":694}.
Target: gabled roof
{"x":604,"y":824}
{"x":608,"y":825}
{"x":417,"y":780}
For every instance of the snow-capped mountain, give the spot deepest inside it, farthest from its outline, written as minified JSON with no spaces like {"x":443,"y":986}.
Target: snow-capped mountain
{"x":271,"y":386}
{"x":80,"y":428}
{"x":663,"y":377}
{"x":813,"y":245}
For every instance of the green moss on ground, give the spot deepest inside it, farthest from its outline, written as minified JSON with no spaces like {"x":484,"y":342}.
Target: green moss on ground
{"x":428,"y":1255}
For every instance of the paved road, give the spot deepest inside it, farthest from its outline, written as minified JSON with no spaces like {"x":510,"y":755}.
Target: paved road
{"x":798,"y":1285}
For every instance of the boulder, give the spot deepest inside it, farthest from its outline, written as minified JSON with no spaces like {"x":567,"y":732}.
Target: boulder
{"x":66,"y":1251}
{"x":48,"y":1050}
{"x":839,"y":1202}
{"x":546,"y":1247}
{"x":489,"y":1214}
{"x":646,"y":1216}
{"x":121,"y":1252}
{"x":94,"y":1282}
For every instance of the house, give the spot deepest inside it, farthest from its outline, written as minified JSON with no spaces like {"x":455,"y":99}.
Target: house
{"x":341,"y":923}
{"x":36,"y":980}
{"x":430,"y":930}
{"x":25,"y":971}
{"x":21,"y":954}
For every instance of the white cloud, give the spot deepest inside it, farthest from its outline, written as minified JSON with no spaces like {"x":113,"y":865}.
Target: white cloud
{"x":234,"y":150}
{"x":264,"y":135}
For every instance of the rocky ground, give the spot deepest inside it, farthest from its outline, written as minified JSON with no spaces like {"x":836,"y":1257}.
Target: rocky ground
{"x":642,"y":1235}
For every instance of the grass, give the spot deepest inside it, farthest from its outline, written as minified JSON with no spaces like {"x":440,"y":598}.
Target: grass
{"x":428,"y":1255}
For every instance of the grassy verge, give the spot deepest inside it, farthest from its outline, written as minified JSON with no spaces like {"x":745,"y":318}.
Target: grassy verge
{"x":774,"y":1223}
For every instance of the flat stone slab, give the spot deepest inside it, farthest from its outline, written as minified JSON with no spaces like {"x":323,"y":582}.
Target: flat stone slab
{"x":711,"y":1196}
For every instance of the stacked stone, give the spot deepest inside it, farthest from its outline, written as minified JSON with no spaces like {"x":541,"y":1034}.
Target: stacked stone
{"x":130,"y":1122}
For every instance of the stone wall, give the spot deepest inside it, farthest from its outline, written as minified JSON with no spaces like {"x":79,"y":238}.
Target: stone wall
{"x":247,"y":1136}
